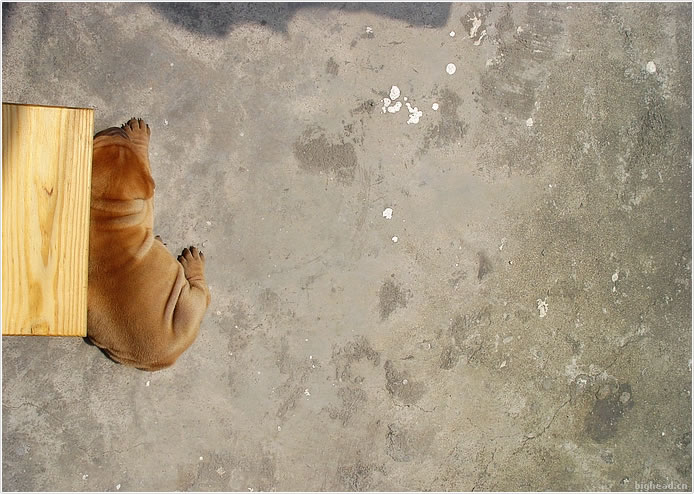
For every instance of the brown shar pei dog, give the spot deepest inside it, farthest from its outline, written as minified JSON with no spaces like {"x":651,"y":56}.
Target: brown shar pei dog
{"x":144,"y":308}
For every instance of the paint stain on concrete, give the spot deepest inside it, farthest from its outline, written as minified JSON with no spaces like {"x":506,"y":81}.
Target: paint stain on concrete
{"x":450,"y":129}
{"x":449,"y":357}
{"x":462,"y":326}
{"x":399,"y":444}
{"x":391,"y":297}
{"x":269,"y":301}
{"x":400,"y":385}
{"x":353,"y":400}
{"x":320,"y":155}
{"x":610,"y":405}
{"x":484,"y":266}
{"x":352,"y":352}
{"x":357,"y":476}
{"x":463,"y":339}
{"x":331,"y":67}
{"x":364,"y":107}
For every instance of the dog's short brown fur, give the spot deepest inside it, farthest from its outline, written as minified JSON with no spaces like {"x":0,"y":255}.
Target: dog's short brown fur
{"x":144,"y":306}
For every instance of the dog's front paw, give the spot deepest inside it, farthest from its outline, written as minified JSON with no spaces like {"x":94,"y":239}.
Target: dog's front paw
{"x":193,"y":262}
{"x":137,"y":130}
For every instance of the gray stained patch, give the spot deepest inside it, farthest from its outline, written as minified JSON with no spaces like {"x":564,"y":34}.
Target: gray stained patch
{"x":358,"y":476}
{"x":365,"y":107}
{"x":451,"y":129}
{"x":353,"y":399}
{"x":484,"y":266}
{"x":461,"y":325}
{"x":317,"y":154}
{"x":464,"y":341}
{"x":449,"y":357}
{"x":511,"y":86}
{"x":400,"y":385}
{"x":269,"y":301}
{"x":390,"y":298}
{"x":608,"y":410}
{"x":331,"y":67}
{"x":355,"y":351}
{"x":399,"y":444}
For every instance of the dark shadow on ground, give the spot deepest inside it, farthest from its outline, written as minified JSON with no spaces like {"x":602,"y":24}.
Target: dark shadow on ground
{"x":7,"y":9}
{"x":219,"y":19}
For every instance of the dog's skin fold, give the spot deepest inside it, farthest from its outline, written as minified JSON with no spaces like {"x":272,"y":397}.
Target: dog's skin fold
{"x":144,"y":308}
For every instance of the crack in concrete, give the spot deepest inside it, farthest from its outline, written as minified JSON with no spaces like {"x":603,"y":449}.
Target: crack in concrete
{"x":485,"y":473}
{"x":416,"y":406}
{"x":532,"y":436}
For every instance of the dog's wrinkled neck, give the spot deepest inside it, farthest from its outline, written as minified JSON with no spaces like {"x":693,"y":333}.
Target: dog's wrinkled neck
{"x":120,"y":211}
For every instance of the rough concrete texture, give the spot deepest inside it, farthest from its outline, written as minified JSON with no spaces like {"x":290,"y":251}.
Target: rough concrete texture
{"x":529,"y":329}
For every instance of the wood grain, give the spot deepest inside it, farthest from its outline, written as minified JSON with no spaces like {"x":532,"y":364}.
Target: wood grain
{"x":46,"y":184}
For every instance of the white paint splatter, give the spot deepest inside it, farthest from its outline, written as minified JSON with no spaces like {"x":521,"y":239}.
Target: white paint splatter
{"x":415,"y":114}
{"x":394,"y":92}
{"x":615,"y":277}
{"x":476,"y":23}
{"x":519,"y":30}
{"x":529,"y":122}
{"x":369,"y":30}
{"x":118,"y":487}
{"x":451,"y":34}
{"x":435,"y":107}
{"x":166,"y":122}
{"x":307,"y":393}
{"x":147,"y":383}
{"x":479,"y":40}
{"x":573,"y":370}
{"x":542,"y":306}
{"x":450,"y":68}
{"x":650,"y":67}
{"x":491,"y":62}
{"x":395,"y":108}
{"x":201,"y":458}
{"x":386,"y":104}
{"x":503,"y":364}
{"x":84,"y":477}
{"x":388,"y":213}
{"x":395,"y":239}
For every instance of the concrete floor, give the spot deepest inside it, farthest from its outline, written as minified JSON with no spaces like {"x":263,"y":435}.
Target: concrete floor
{"x":531,"y":327}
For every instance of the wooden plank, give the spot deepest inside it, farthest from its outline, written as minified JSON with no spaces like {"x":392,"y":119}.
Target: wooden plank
{"x":46,"y":192}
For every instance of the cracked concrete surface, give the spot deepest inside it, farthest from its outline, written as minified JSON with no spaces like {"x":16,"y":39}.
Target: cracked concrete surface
{"x":531,"y":327}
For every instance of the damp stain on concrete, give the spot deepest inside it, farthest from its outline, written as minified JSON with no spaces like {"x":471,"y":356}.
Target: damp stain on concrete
{"x":320,"y":154}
